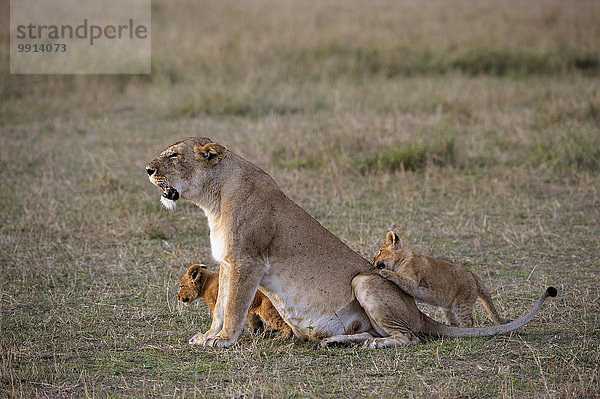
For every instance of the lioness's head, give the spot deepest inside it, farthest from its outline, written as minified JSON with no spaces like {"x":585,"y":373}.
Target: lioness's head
{"x":182,"y":169}
{"x":391,"y":252}
{"x":191,"y":284}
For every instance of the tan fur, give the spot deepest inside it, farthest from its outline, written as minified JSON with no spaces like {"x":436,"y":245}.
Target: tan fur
{"x":436,"y":282}
{"x":264,"y":241}
{"x":198,"y":281}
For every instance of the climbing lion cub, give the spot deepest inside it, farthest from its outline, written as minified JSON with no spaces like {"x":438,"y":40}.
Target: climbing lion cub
{"x":433,"y":281}
{"x":198,"y":281}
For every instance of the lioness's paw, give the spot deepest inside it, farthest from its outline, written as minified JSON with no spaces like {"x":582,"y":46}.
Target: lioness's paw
{"x":377,"y":343}
{"x":334,"y":341}
{"x":198,"y":339}
{"x":388,"y":342}
{"x":219,"y":342}
{"x":370,"y":344}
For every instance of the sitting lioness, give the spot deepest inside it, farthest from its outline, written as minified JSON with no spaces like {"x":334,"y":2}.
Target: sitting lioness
{"x":264,"y":241}
{"x":437,"y":282}
{"x":198,"y":282}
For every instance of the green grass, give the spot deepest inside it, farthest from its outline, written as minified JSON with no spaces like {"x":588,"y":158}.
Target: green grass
{"x":472,"y":129}
{"x":410,"y":156}
{"x":571,"y":150}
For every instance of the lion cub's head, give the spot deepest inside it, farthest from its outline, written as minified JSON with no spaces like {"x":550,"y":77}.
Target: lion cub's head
{"x":182,"y":169}
{"x":393,"y":252}
{"x":192,"y":283}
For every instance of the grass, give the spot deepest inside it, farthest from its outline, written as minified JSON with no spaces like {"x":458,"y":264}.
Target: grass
{"x":469,"y":128}
{"x":410,"y":156}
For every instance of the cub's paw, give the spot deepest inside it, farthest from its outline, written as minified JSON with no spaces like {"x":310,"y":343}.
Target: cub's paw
{"x":386,"y":273}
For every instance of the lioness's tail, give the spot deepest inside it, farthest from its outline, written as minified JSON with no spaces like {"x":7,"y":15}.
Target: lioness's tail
{"x":486,"y":300}
{"x":432,"y":327}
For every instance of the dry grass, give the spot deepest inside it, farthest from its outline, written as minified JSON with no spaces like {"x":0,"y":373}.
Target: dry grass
{"x":469,"y":127}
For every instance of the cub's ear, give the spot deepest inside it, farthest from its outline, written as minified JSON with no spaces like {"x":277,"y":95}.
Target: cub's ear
{"x":390,"y":238}
{"x":211,"y":152}
{"x":195,"y":271}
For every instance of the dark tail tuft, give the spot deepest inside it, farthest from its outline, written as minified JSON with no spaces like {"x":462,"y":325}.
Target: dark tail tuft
{"x":551,"y":291}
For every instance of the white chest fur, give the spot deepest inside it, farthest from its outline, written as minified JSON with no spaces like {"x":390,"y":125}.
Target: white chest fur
{"x":218,"y":241}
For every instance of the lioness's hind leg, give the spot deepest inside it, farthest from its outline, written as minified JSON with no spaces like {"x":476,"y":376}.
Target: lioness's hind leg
{"x":392,"y":312}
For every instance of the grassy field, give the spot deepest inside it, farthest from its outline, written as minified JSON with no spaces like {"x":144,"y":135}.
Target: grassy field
{"x":471,"y":128}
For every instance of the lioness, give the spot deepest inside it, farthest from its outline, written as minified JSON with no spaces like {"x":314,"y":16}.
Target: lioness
{"x":198,"y":281}
{"x":262,"y":240}
{"x":437,"y":282}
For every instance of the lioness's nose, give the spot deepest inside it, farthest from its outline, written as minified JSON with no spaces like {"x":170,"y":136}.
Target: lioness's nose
{"x":150,"y":171}
{"x":185,"y":299}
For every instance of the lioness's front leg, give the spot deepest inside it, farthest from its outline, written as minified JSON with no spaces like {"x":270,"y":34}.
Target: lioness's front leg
{"x":242,"y":285}
{"x":218,"y":312}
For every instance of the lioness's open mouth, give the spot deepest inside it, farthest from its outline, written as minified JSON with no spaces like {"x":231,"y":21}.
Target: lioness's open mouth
{"x":170,"y":193}
{"x":168,"y":197}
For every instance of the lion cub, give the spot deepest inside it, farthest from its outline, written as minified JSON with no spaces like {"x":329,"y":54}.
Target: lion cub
{"x":438,"y":282}
{"x":198,"y":281}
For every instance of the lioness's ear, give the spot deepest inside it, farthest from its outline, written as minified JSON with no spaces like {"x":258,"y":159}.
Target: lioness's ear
{"x":211,"y":152}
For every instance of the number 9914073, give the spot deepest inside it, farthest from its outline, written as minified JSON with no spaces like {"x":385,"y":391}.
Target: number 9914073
{"x":41,"y":48}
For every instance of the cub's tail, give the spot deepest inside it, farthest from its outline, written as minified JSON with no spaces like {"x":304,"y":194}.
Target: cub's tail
{"x":432,"y":327}
{"x":486,"y":300}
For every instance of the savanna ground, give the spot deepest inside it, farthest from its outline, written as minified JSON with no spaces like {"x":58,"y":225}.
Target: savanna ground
{"x":471,"y":128}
